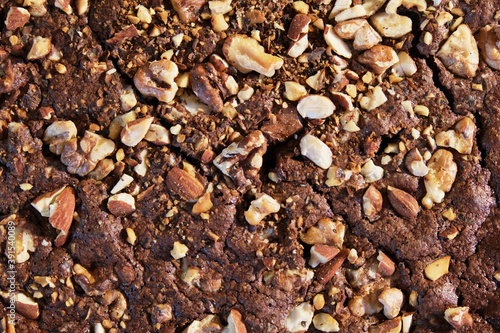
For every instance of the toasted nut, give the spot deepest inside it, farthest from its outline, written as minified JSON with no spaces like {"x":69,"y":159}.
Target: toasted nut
{"x":372,"y":172}
{"x":461,"y":139}
{"x":58,"y":133}
{"x":118,"y":302}
{"x":219,"y":23}
{"x":17,"y":17}
{"x":321,"y":254}
{"x":367,"y":305}
{"x":82,"y":6}
{"x":317,"y":151}
{"x":449,"y":233}
{"x":351,"y":13}
{"x":327,"y":232}
{"x":339,"y":6}
{"x":458,"y":317}
{"x":135,"y":131}
{"x":336,"y":43}
{"x":404,"y":203}
{"x":24,"y":243}
{"x":405,"y":66}
{"x":124,"y":181}
{"x":406,"y":319}
{"x":392,"y":299}
{"x":37,"y":7}
{"x":386,"y":266}
{"x":371,"y":6}
{"x":246,"y":54}
{"x":235,"y":323}
{"x":121,"y":204}
{"x":188,"y":10}
{"x":365,"y":37}
{"x":40,"y":48}
{"x":459,"y":53}
{"x":180,"y":182}
{"x":388,"y":326}
{"x":64,"y":5}
{"x":161,"y":313}
{"x":179,"y":250}
{"x":391,"y":25}
{"x":393,"y":5}
{"x":415,"y":163}
{"x":298,"y":47}
{"x":210,"y":323}
{"x":298,"y":26}
{"x":131,"y":236}
{"x":372,"y":201}
{"x":325,"y":272}
{"x":437,"y":268}
{"x":315,"y":107}
{"x":26,"y":306}
{"x":325,"y":323}
{"x":379,"y":58}
{"x":294,"y":91}
{"x":439,"y":180}
{"x":260,"y":208}
{"x":300,"y":318}
{"x":119,"y":122}
{"x":203,"y":205}
{"x":489,"y":43}
{"x":373,"y":99}
{"x":157,"y":80}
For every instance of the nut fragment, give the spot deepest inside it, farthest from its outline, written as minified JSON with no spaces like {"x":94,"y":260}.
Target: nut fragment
{"x":404,"y":203}
{"x":316,"y":150}
{"x":325,"y":272}
{"x":135,"y":131}
{"x":379,"y":58}
{"x":40,"y":48}
{"x":325,"y":323}
{"x":415,"y":163}
{"x":26,"y":306}
{"x":405,"y":66}
{"x":461,"y":138}
{"x":119,"y":122}
{"x":372,"y":201}
{"x":372,"y":172}
{"x":393,"y":5}
{"x":235,"y":323}
{"x":392,"y":299}
{"x":321,"y":254}
{"x":391,"y":25}
{"x":17,"y":17}
{"x":158,"y":135}
{"x":439,"y":180}
{"x":336,"y":43}
{"x":300,"y":318}
{"x":260,"y":208}
{"x":489,"y":42}
{"x":210,"y":323}
{"x":157,"y":80}
{"x":188,"y":10}
{"x":294,"y":91}
{"x":204,"y":204}
{"x":315,"y":107}
{"x":64,"y":5}
{"x":121,"y":204}
{"x":82,"y":6}
{"x":184,"y":184}
{"x":373,"y":99}
{"x":298,"y":26}
{"x":37,"y":7}
{"x":298,"y":47}
{"x":458,"y":317}
{"x":388,"y":326}
{"x":365,"y":37}
{"x":124,"y":181}
{"x":246,"y":54}
{"x":459,"y":53}
{"x":327,"y":231}
{"x":386,"y":266}
{"x":161,"y":313}
{"x":179,"y":250}
{"x":437,"y":268}
{"x":118,"y":304}
{"x":58,"y":133}
{"x":24,"y":243}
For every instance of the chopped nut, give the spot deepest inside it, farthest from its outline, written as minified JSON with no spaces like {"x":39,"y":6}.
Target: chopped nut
{"x":325,"y":272}
{"x":449,"y":214}
{"x":449,"y":233}
{"x":260,"y":208}
{"x":421,"y":110}
{"x":40,"y":48}
{"x":315,"y":150}
{"x":489,"y":42}
{"x":336,"y":43}
{"x":393,"y":5}
{"x":298,"y":47}
{"x":315,"y":107}
{"x":26,"y":306}
{"x":319,"y":301}
{"x":379,"y":58}
{"x":118,"y":302}
{"x":161,"y":313}
{"x":135,"y":130}
{"x":404,"y":203}
{"x":235,"y":323}
{"x":372,"y":172}
{"x":391,"y":25}
{"x":124,"y":181}
{"x":405,"y":66}
{"x":131,"y":237}
{"x":439,"y":180}
{"x":392,"y":299}
{"x":339,"y":6}
{"x":294,"y":91}
{"x":365,"y":37}
{"x":413,"y":299}
{"x":183,"y":184}
{"x":24,"y":243}
{"x":300,"y":7}
{"x":372,"y":201}
{"x":406,"y":319}
{"x":325,"y":323}
{"x":245,"y":93}
{"x":82,"y":6}
{"x":220,"y":7}
{"x":415,"y":163}
{"x":388,"y":326}
{"x":437,"y":268}
{"x":246,"y":54}
{"x":37,"y":7}
{"x":300,"y":318}
{"x":219,"y":23}
{"x":58,"y":133}
{"x":17,"y":17}
{"x":157,"y":80}
{"x":64,"y":5}
{"x":386,"y":266}
{"x":327,"y":232}
{"x":458,"y":317}
{"x":321,"y":254}
{"x":158,"y":135}
{"x":459,"y":53}
{"x":373,"y":99}
{"x":298,"y":26}
{"x":121,"y":204}
{"x":119,"y":122}
{"x":179,"y":251}
{"x":203,"y":205}
{"x":102,"y":169}
{"x":461,"y":138}
{"x":210,"y":323}
{"x":188,"y":10}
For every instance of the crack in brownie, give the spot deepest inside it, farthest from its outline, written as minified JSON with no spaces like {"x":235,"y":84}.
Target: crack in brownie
{"x":241,"y":166}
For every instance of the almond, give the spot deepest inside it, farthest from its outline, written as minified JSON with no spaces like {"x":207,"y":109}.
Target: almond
{"x":180,"y":182}
{"x":321,"y":253}
{"x":26,"y":306}
{"x":298,"y":26}
{"x":135,"y":131}
{"x":235,"y":323}
{"x":404,"y":203}
{"x":386,"y":266}
{"x":325,"y":272}
{"x":17,"y":17}
{"x":121,"y":204}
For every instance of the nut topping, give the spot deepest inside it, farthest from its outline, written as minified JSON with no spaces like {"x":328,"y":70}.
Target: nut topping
{"x":404,"y":203}
{"x":393,"y":5}
{"x":461,"y":139}
{"x":135,"y":131}
{"x":336,"y":43}
{"x":121,"y":204}
{"x":439,"y":180}
{"x":235,"y":323}
{"x":260,"y":208}
{"x":298,"y":26}
{"x":180,"y":182}
{"x":58,"y":133}
{"x":379,"y":58}
{"x":405,"y":66}
{"x":372,"y":201}
{"x":40,"y":48}
{"x":188,"y":10}
{"x":294,"y":91}
{"x":210,"y":323}
{"x":246,"y":54}
{"x":321,"y":254}
{"x":158,"y":135}
{"x":437,"y":268}
{"x":327,"y":232}
{"x":415,"y":163}
{"x":316,"y":150}
{"x":315,"y":107}
{"x":300,"y":318}
{"x":325,"y":272}
{"x":392,"y":299}
{"x":26,"y":306}
{"x":325,"y":323}
{"x":459,"y":53}
{"x":17,"y":17}
{"x":458,"y":317}
{"x":386,"y":266}
{"x":391,"y":25}
{"x":365,"y":37}
{"x":157,"y":80}
{"x":489,"y":42}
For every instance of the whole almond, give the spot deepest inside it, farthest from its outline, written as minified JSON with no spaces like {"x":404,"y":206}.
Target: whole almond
{"x":184,"y":185}
{"x":325,"y":272}
{"x":404,"y":203}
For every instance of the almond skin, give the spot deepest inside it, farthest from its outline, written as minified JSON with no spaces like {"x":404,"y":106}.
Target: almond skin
{"x":184,"y":185}
{"x":404,"y":203}
{"x":63,"y":214}
{"x":325,"y":272}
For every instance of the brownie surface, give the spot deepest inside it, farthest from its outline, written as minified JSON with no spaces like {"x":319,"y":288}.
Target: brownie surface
{"x":241,"y":166}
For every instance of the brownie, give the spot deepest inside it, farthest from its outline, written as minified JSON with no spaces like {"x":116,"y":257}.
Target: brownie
{"x":242,"y":166}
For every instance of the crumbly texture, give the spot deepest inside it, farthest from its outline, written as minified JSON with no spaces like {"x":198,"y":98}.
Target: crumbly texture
{"x":198,"y":239}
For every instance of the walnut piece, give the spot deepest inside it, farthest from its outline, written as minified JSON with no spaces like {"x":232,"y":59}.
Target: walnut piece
{"x":58,"y":133}
{"x":82,"y":158}
{"x":489,"y":43}
{"x":439,"y":180}
{"x":188,"y":10}
{"x":246,"y":54}
{"x":391,"y":25}
{"x":365,"y":37}
{"x":327,"y":231}
{"x":260,"y":208}
{"x":300,"y":318}
{"x":316,"y":150}
{"x":379,"y":58}
{"x":461,"y":138}
{"x":157,"y":80}
{"x":459,"y":53}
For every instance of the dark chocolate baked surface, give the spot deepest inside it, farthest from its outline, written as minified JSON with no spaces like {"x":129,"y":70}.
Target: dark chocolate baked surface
{"x":242,"y":166}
